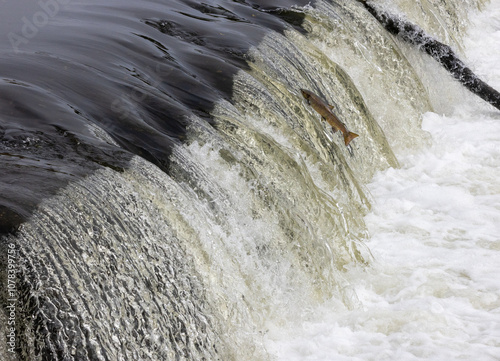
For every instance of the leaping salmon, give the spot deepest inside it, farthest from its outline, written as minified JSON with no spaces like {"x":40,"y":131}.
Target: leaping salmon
{"x":326,"y":113}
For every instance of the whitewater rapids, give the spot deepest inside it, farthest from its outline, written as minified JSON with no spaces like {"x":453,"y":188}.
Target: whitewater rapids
{"x":433,"y":291}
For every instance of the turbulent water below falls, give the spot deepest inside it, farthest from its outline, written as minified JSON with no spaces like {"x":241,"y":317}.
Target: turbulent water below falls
{"x":192,"y":206}
{"x":432,"y":292}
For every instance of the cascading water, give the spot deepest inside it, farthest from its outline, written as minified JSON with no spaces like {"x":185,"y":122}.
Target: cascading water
{"x":203,"y":202}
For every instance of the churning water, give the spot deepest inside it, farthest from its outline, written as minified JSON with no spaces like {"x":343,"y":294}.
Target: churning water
{"x":433,"y":291}
{"x":171,"y":196}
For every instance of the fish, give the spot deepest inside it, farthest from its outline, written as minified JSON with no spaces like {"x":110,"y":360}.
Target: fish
{"x":326,"y":112}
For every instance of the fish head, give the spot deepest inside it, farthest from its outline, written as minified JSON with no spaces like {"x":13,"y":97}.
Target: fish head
{"x":306,"y":93}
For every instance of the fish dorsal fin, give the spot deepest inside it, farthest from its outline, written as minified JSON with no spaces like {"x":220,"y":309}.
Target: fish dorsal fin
{"x":331,"y":107}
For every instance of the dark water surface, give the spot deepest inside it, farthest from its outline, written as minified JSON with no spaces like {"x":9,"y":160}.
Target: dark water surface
{"x":137,"y":69}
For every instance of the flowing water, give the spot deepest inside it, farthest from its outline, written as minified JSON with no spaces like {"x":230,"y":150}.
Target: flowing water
{"x":170,"y":195}
{"x":432,"y":292}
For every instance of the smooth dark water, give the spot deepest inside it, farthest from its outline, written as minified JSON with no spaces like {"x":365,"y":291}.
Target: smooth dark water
{"x":140,"y":70}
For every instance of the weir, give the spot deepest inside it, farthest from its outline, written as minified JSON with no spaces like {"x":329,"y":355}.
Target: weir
{"x":187,"y":238}
{"x":442,"y":53}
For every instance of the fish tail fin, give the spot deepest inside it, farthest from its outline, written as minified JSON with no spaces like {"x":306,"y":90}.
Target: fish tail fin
{"x":348,"y":137}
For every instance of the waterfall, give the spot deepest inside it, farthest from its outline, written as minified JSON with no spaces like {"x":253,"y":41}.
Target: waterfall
{"x":251,"y":216}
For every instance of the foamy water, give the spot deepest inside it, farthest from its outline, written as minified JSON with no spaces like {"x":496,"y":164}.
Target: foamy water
{"x":433,"y":291}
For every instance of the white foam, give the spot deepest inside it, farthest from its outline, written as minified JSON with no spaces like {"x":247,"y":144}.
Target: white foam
{"x":433,"y":292}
